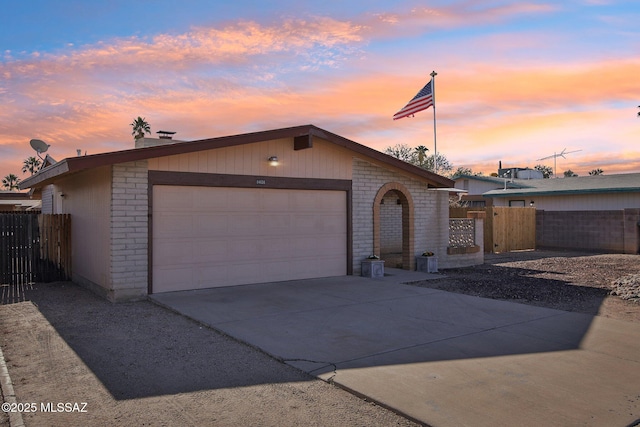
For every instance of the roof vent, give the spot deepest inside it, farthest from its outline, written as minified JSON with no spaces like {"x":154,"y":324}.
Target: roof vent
{"x":165,"y":134}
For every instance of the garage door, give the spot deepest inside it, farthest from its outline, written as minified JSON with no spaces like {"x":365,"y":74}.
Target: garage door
{"x":206,"y":237}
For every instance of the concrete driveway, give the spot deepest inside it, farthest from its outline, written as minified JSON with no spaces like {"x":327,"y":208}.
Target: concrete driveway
{"x":439,"y":358}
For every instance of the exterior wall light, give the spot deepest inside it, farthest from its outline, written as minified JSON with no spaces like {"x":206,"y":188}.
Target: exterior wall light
{"x":273,"y":160}
{"x":531,"y":203}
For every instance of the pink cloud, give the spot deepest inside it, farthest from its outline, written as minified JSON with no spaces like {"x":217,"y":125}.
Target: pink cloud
{"x":424,"y":19}
{"x":248,"y":76}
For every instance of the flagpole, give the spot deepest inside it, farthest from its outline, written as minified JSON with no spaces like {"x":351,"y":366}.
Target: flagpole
{"x":435,"y":143}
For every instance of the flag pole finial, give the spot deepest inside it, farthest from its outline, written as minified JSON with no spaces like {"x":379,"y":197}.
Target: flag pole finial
{"x":433,"y":74}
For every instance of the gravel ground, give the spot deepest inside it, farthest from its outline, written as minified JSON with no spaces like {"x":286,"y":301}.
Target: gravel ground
{"x":600,"y":284}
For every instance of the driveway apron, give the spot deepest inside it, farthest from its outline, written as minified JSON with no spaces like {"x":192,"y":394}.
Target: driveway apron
{"x":440,"y":358}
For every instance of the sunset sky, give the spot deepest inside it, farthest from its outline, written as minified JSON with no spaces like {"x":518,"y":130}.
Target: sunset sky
{"x":517,"y":80}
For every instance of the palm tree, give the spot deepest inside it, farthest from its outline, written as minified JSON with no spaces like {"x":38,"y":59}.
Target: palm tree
{"x":421,"y":152}
{"x":596,"y":172}
{"x":31,"y":165}
{"x":10,"y":182}
{"x":140,"y":126}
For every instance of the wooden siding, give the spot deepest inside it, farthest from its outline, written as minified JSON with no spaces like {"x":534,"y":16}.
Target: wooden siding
{"x":324,"y":160}
{"x":87,"y":197}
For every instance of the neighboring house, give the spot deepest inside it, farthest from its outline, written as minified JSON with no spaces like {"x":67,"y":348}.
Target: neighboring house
{"x":14,"y":201}
{"x":283,"y":204}
{"x":474,"y":187}
{"x":599,"y":212}
{"x":581,"y":193}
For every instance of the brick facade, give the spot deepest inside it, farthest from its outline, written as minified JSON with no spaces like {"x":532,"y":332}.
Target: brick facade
{"x":129,"y":231}
{"x":430,"y":212}
{"x":390,"y":224}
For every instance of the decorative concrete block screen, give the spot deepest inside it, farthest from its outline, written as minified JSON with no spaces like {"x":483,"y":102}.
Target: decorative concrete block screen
{"x":462,"y":233}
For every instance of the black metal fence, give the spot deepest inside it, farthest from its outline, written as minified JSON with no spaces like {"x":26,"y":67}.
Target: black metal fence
{"x":34,"y":248}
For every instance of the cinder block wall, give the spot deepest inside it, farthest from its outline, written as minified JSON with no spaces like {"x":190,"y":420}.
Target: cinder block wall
{"x":631,"y":222}
{"x":129,"y":231}
{"x":610,"y":231}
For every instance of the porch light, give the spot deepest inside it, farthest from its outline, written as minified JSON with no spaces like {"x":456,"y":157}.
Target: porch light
{"x":273,"y":160}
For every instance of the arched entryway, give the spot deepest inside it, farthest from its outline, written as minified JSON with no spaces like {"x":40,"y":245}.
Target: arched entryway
{"x":393,"y":225}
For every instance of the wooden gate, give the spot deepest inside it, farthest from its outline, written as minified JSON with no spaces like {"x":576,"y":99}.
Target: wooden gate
{"x":513,"y":228}
{"x":34,"y":248}
{"x":505,"y":228}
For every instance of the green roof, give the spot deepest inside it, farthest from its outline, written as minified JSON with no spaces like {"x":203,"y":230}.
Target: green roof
{"x":573,"y":185}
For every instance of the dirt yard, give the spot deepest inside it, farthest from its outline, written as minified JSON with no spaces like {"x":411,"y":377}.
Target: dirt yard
{"x":599,"y":284}
{"x":139,"y":364}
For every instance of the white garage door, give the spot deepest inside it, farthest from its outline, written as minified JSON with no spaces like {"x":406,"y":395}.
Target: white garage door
{"x":206,"y":237}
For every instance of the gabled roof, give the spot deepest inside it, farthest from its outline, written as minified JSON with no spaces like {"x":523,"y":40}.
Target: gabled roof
{"x":574,"y":185}
{"x":76,"y":164}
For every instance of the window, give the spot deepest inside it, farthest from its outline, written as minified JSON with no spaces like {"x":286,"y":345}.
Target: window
{"x":516,"y":203}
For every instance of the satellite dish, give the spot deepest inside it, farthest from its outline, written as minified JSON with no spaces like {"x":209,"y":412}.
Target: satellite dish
{"x":39,"y":145}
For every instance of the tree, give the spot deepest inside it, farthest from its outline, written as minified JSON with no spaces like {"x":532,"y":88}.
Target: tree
{"x":10,"y":182}
{"x":31,"y":165}
{"x":444,"y":165}
{"x":421,"y":154}
{"x":140,"y":127}
{"x":402,"y":152}
{"x":464,"y":171}
{"x":569,"y":173}
{"x":596,"y":172}
{"x":417,"y":157}
{"x":546,"y":170}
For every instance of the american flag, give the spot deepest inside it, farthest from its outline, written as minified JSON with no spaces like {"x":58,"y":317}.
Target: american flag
{"x":422,"y":101}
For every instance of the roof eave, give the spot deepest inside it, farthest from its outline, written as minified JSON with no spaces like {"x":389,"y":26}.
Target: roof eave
{"x":507,"y":193}
{"x":42,"y":177}
{"x":76,"y":164}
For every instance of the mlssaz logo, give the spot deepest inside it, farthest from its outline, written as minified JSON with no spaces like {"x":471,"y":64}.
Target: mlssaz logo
{"x":63,"y":407}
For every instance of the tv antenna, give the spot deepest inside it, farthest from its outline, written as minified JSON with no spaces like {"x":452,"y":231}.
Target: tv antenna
{"x":40,"y":146}
{"x":555,"y":157}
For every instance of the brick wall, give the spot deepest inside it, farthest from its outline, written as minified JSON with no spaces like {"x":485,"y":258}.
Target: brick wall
{"x":129,"y":231}
{"x":390,"y":225}
{"x":610,"y":231}
{"x":431,"y":211}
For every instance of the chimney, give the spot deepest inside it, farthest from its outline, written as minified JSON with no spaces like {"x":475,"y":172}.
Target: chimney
{"x":165,"y":134}
{"x":164,"y":137}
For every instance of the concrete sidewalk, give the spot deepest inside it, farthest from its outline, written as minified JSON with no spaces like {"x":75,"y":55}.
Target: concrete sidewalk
{"x":440,"y":358}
